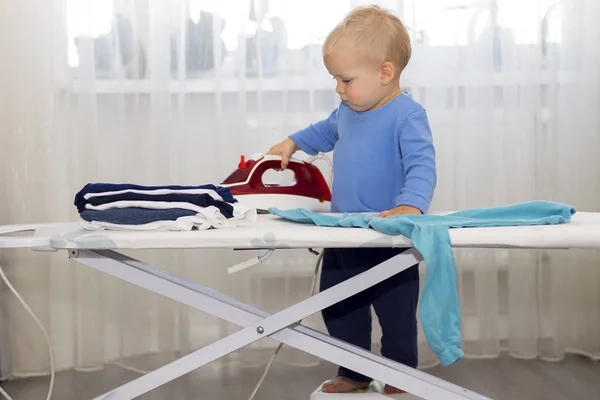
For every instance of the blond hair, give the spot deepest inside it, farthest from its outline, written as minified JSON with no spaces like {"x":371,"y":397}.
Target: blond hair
{"x":377,"y":33}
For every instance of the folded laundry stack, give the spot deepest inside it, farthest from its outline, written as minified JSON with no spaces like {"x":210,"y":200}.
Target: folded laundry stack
{"x":136,"y":207}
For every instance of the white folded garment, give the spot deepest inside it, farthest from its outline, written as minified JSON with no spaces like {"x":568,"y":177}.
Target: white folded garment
{"x":210,"y":217}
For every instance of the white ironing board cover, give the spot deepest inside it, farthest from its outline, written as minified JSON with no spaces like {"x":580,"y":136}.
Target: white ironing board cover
{"x":275,"y":233}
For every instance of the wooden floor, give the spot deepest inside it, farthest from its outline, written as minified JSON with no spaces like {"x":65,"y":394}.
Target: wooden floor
{"x":575,"y":378}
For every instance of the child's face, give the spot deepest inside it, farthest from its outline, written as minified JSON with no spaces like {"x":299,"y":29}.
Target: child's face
{"x":360,"y":85}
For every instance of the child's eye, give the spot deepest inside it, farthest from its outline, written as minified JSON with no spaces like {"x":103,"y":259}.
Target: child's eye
{"x":346,"y":81}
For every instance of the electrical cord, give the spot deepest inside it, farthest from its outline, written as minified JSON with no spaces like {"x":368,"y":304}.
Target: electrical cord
{"x":323,"y":157}
{"x":35,"y":318}
{"x":266,"y":371}
{"x":314,"y":282}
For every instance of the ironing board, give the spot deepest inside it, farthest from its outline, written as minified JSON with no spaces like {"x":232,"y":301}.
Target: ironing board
{"x":100,"y":250}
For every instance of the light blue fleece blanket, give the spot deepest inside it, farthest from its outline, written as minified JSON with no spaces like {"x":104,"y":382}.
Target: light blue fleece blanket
{"x":439,"y":305}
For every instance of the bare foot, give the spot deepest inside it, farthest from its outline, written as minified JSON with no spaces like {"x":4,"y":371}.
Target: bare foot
{"x":341,"y":384}
{"x":391,"y":390}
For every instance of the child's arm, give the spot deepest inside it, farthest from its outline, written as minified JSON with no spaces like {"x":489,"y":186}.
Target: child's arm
{"x":418,"y":157}
{"x":318,"y":137}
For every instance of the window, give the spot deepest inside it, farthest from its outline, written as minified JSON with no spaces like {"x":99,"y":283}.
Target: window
{"x":463,"y":22}
{"x":94,"y":19}
{"x":200,"y":39}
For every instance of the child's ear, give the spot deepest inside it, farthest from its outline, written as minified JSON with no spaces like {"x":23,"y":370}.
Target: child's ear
{"x":387,"y":72}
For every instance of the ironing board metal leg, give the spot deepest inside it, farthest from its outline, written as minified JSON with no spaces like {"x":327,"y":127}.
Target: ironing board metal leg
{"x":274,"y":326}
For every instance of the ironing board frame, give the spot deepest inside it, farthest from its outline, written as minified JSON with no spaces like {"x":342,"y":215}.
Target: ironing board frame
{"x":582,"y":233}
{"x":258,"y":324}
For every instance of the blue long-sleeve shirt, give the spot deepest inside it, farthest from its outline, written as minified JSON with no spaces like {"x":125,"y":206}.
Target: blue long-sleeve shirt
{"x":382,"y":158}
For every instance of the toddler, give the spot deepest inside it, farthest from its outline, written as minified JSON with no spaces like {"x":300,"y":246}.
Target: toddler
{"x":383,"y":161}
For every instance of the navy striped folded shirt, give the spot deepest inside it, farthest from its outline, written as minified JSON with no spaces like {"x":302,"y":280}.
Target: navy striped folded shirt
{"x":96,"y":194}
{"x":94,"y":188}
{"x":201,"y":200}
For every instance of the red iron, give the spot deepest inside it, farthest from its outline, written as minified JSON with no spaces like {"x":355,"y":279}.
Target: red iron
{"x":309,"y":190}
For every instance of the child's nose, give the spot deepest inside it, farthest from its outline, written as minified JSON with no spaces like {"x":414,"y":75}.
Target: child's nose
{"x":339,"y":88}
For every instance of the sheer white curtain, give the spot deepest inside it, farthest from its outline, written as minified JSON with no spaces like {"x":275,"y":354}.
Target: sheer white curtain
{"x":175,"y":91}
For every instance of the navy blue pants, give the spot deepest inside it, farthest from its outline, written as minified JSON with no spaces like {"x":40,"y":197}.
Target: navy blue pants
{"x":394,"y":300}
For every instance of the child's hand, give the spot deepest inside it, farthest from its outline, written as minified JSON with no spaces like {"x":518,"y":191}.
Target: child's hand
{"x":284,"y":149}
{"x":400,"y":210}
